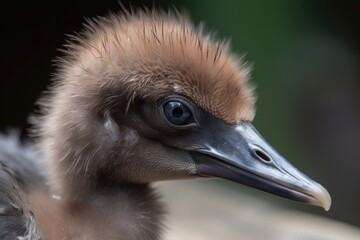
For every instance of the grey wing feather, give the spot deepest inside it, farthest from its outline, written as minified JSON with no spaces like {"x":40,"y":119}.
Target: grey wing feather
{"x":20,"y":172}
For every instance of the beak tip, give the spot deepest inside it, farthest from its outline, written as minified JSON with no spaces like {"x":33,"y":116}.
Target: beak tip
{"x":324,"y":198}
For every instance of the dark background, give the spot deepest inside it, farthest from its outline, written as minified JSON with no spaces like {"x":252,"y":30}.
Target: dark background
{"x":306,"y":67}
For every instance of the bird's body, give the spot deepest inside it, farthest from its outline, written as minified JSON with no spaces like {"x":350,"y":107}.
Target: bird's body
{"x":117,"y":212}
{"x":122,"y":211}
{"x":139,"y":97}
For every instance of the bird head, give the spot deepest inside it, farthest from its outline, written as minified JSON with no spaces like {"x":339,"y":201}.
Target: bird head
{"x":145,"y":97}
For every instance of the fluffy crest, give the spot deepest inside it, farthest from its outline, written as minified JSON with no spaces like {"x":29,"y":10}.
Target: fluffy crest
{"x":151,"y":55}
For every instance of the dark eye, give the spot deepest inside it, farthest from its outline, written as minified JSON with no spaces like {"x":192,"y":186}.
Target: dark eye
{"x":177,"y":113}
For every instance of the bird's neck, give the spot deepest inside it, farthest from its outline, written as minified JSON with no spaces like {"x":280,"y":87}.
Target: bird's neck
{"x":131,"y":211}
{"x":123,"y":211}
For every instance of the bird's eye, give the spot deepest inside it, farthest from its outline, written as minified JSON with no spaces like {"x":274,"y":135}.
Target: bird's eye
{"x":177,"y":113}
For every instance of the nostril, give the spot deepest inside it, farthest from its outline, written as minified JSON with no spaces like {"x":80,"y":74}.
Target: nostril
{"x":262,"y":155}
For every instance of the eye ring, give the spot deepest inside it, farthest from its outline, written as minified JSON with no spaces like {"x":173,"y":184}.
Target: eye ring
{"x":177,"y":113}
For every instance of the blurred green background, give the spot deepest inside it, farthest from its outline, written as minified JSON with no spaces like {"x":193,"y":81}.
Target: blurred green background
{"x":305,"y":57}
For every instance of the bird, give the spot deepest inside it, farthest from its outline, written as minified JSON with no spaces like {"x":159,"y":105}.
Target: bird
{"x":138,"y":97}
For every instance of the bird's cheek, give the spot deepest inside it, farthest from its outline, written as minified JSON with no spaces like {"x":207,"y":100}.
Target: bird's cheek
{"x":147,"y":161}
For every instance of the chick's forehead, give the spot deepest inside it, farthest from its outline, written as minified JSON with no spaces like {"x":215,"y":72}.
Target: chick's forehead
{"x":153,"y":55}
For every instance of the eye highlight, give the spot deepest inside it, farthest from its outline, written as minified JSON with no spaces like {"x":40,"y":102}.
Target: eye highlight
{"x":177,"y":113}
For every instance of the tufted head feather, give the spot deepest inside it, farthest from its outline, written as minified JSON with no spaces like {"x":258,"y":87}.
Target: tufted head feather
{"x":151,"y":55}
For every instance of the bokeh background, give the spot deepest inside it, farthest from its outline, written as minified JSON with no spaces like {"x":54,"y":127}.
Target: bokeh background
{"x":306,"y":66}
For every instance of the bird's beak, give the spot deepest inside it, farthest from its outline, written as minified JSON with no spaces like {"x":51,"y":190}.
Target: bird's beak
{"x":240,"y":154}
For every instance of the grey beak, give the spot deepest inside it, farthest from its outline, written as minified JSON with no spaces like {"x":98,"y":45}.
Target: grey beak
{"x":240,"y":154}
